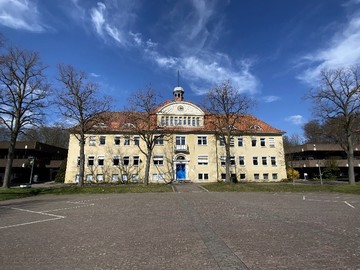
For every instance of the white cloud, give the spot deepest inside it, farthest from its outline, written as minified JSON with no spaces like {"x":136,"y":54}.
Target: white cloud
{"x":269,"y":99}
{"x":343,"y":51}
{"x":94,"y":75}
{"x":295,"y":119}
{"x":20,"y":14}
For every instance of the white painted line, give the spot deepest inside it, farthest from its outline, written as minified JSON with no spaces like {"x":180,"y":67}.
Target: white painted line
{"x":349,"y":204}
{"x":303,"y":197}
{"x":204,"y":188}
{"x":55,"y":217}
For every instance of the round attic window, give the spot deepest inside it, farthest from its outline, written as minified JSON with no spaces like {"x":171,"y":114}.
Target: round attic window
{"x":180,"y":108}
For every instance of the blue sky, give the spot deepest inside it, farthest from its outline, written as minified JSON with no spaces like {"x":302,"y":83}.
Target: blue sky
{"x":271,"y":50}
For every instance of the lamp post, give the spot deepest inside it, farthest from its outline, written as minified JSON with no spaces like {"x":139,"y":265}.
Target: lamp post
{"x":32,"y":161}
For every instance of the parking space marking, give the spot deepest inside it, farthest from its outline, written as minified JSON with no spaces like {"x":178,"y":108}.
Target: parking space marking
{"x":54,"y":217}
{"x":328,"y":200}
{"x":349,"y":204}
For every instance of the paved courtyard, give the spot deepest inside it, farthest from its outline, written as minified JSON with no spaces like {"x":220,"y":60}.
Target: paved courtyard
{"x":187,"y":229}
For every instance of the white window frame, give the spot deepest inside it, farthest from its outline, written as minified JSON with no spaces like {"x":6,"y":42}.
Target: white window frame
{"x":240,"y":142}
{"x":272,"y":142}
{"x":255,"y":161}
{"x":117,"y":140}
{"x":242,"y":158}
{"x":126,"y":159}
{"x":118,"y":160}
{"x":92,"y":159}
{"x":273,"y":161}
{"x":136,"y":160}
{"x":203,"y":176}
{"x":158,"y":160}
{"x":202,"y":140}
{"x":102,"y":140}
{"x":264,"y":161}
{"x":136,"y":140}
{"x":101,"y":157}
{"x":263,"y":142}
{"x":92,"y":140}
{"x":203,"y":160}
{"x":100,"y":178}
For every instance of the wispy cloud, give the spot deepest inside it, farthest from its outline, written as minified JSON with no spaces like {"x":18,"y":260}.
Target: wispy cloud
{"x":343,"y":50}
{"x":295,"y":119}
{"x":92,"y":74}
{"x":21,"y":14}
{"x":270,"y":99}
{"x":194,"y":56}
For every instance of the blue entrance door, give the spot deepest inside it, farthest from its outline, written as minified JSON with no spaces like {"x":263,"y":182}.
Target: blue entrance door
{"x":180,"y":171}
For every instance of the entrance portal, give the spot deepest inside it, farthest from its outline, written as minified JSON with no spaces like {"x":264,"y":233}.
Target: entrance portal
{"x":180,"y":172}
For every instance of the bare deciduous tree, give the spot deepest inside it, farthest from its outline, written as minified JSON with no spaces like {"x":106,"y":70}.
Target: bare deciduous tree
{"x":227,"y":108}
{"x":56,"y":135}
{"x":79,"y":101}
{"x":143,"y":117}
{"x":23,"y":92}
{"x":337,"y":98}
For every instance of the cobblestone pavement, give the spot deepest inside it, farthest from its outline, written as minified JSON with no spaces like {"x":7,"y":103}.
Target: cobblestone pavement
{"x":181,"y":230}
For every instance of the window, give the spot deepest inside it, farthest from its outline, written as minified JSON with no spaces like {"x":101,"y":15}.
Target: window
{"x":77,"y":178}
{"x":274,"y":176}
{"x":203,"y":176}
{"x":264,"y":161}
{"x":193,"y":121}
{"x":253,"y":142}
{"x":180,"y":140}
{"x":221,"y":141}
{"x":273,"y":161}
{"x":91,"y":160}
{"x":180,"y":120}
{"x":256,"y":176}
{"x":232,"y":144}
{"x":124,"y":177}
{"x":127,"y":140}
{"x":92,"y":140}
{"x":126,"y":160}
{"x":135,"y":177}
{"x":116,"y":160}
{"x":136,"y":140}
{"x":232,"y":161}
{"x":136,"y":160}
{"x":162,"y":120}
{"x":189,"y":121}
{"x":171,"y":121}
{"x":101,"y":160}
{"x":175,"y":121}
{"x":272,"y":142}
{"x":266,"y":176}
{"x":159,"y":140}
{"x":203,"y":160}
{"x":167,"y":120}
{"x":223,"y":160}
{"x":78,"y":161}
{"x":115,"y":178}
{"x":198,"y":121}
{"x":102,"y":140}
{"x":158,"y":160}
{"x":242,"y":176}
{"x":262,"y":142}
{"x":240,"y":142}
{"x":242,"y":160}
{"x":157,"y":176}
{"x":202,"y":140}
{"x":117,"y":140}
{"x":99,"y":177}
{"x":255,"y":161}
{"x":89,"y":177}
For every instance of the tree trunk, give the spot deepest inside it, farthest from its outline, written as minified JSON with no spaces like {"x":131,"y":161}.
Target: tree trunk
{"x":82,"y":161}
{"x":350,"y":158}
{"x":9,"y":162}
{"x":227,"y":161}
{"x":147,"y":166}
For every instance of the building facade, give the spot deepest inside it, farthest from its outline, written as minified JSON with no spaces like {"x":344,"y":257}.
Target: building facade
{"x":311,"y":160}
{"x":32,"y":159}
{"x":190,"y":149}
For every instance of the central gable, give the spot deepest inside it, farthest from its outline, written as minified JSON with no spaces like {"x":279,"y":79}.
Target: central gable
{"x":180,"y":108}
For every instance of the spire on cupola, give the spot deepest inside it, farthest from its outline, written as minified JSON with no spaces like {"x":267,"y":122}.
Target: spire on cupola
{"x":178,"y":91}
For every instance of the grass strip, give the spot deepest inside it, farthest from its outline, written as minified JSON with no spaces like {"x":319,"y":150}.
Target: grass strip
{"x":16,"y":193}
{"x":281,"y":187}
